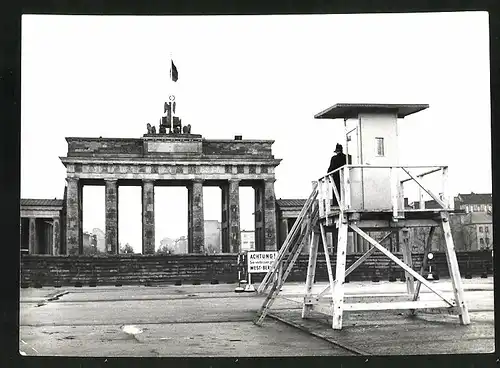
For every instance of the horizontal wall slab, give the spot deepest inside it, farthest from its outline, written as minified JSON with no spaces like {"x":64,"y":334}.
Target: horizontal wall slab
{"x":136,"y":269}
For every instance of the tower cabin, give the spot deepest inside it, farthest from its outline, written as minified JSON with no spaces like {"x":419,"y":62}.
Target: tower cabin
{"x":374,"y":181}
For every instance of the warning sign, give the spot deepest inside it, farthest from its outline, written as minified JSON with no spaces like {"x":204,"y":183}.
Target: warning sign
{"x":260,"y":261}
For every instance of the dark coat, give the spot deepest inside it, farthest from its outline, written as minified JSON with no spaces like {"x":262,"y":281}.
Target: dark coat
{"x":337,"y":161}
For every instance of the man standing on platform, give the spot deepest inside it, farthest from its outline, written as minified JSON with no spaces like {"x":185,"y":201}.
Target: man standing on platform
{"x":338,"y":160}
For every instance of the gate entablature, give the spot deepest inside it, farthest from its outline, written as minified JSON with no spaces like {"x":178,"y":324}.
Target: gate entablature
{"x":166,"y":158}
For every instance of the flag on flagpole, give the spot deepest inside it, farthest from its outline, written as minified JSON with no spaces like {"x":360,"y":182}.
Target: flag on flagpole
{"x":174,"y":75}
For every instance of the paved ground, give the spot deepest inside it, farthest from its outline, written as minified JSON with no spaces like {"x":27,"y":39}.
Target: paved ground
{"x":213,"y":320}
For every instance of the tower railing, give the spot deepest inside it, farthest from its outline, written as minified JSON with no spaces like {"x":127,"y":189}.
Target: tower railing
{"x":327,"y":189}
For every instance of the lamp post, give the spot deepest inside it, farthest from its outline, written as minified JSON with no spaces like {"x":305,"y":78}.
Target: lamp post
{"x":430,"y":256}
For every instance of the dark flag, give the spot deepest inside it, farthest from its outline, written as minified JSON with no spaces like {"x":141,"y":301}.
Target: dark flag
{"x":173,"y":72}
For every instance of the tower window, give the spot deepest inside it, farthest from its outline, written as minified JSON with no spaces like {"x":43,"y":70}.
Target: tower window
{"x":380,"y":146}
{"x":480,"y":229}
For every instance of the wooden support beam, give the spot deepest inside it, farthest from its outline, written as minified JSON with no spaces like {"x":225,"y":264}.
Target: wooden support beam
{"x":276,"y":287}
{"x":451,"y":259}
{"x":394,"y":193}
{"x":338,"y":291}
{"x":346,"y":176}
{"x":421,"y":197}
{"x":444,"y":189}
{"x":433,"y":196}
{"x":321,"y":198}
{"x":386,"y":224}
{"x":359,"y":261}
{"x":396,"y":305}
{"x":407,"y":259}
{"x":327,"y":257}
{"x":373,"y":298}
{"x":311,"y":270}
{"x":422,"y":174}
{"x":399,"y":262}
{"x":290,"y":238}
{"x":365,"y":256}
{"x":335,"y":190}
{"x":430,"y":306}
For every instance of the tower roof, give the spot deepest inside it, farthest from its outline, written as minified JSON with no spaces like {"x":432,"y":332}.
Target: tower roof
{"x":352,"y":110}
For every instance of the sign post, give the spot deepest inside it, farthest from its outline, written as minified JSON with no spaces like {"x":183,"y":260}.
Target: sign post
{"x":258,"y":262}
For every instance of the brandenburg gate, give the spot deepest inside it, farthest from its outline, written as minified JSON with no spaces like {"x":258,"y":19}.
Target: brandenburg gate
{"x":173,"y":159}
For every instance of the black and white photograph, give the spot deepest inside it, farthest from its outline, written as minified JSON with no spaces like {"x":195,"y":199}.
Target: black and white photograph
{"x":256,"y":185}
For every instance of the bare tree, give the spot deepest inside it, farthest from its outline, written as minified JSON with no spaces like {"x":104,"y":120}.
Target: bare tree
{"x":127,"y":249}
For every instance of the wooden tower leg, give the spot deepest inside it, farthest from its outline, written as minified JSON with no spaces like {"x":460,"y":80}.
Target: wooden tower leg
{"x":451,"y":257}
{"x":338,"y":291}
{"x":311,"y":271}
{"x":407,"y":258}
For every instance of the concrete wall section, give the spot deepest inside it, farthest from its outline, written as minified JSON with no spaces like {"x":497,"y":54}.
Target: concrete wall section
{"x":138,"y":269}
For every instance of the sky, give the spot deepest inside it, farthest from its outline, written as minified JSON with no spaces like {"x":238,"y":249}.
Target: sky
{"x":262,"y":77}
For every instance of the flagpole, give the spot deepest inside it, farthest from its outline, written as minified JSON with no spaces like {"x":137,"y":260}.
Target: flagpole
{"x":171,"y":122}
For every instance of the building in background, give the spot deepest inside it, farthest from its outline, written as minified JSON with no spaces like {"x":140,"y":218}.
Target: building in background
{"x":212,"y":236}
{"x":180,"y":245}
{"x":42,"y":227}
{"x":478,"y":231}
{"x":247,"y":240}
{"x":101,"y":240}
{"x":474,"y":202}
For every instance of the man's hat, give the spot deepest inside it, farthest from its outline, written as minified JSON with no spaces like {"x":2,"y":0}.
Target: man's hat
{"x":338,"y":148}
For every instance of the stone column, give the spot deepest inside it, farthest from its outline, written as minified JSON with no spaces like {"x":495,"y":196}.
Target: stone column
{"x":225,"y":218}
{"x":234,"y":216}
{"x":259,"y":217}
{"x":269,"y":215}
{"x":198,"y":225}
{"x":56,"y":236}
{"x":32,"y":236}
{"x":73,"y":217}
{"x":111,"y":198}
{"x":148,"y":217}
{"x":190,"y":218}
